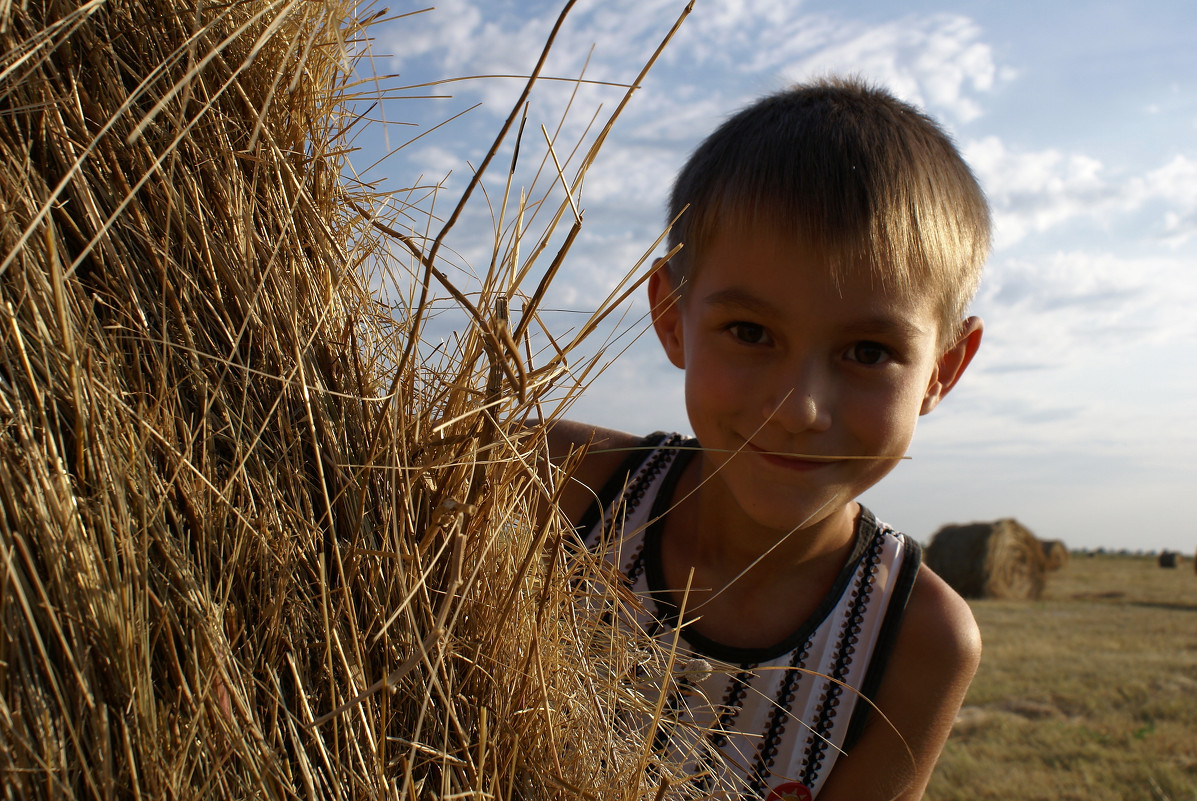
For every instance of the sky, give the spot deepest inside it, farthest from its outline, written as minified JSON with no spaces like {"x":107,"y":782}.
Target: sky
{"x":1078,"y":416}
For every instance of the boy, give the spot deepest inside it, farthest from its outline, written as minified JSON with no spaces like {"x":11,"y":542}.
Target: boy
{"x":832,"y":240}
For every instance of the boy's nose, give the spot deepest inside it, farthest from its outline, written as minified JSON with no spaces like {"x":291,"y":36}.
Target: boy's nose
{"x":800,"y":405}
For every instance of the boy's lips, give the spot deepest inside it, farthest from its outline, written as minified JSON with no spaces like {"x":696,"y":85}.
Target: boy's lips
{"x":795,"y":462}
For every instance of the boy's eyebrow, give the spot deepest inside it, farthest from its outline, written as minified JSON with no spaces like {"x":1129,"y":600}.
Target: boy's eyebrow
{"x":890,"y":325}
{"x":734,"y":296}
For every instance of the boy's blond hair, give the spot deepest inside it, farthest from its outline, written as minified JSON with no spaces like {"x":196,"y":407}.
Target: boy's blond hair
{"x":867,"y":179}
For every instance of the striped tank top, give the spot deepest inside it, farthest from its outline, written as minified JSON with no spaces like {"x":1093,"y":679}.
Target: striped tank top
{"x":780,"y":715}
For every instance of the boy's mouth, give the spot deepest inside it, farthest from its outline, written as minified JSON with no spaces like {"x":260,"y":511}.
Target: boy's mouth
{"x":790,"y":461}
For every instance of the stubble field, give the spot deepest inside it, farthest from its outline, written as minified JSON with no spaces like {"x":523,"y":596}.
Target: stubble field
{"x":1089,"y":693}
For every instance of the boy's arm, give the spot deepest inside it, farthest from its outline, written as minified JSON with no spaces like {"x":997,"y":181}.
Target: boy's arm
{"x":933,"y":662}
{"x":606,"y":452}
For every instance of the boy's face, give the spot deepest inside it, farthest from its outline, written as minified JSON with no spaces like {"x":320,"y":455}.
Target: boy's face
{"x":788,"y":377}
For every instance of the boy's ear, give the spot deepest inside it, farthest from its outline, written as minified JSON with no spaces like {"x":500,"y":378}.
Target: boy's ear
{"x":952,"y":363}
{"x":665,"y":301}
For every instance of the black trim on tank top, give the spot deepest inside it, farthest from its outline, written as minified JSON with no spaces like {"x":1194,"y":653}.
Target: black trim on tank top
{"x":618,"y":480}
{"x":886,"y":639}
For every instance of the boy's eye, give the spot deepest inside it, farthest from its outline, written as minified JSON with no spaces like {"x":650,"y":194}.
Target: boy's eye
{"x":868,"y":353}
{"x":749,"y":333}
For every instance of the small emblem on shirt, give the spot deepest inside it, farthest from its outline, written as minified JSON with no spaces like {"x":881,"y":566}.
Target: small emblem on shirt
{"x":790,"y":791}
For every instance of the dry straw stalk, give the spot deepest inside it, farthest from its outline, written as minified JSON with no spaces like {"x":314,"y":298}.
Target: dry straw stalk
{"x":241,"y":554}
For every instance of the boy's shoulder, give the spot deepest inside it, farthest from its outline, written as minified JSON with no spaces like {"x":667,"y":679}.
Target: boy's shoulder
{"x":937,"y":654}
{"x":926,"y":678}
{"x":942,"y":623}
{"x":939,"y":641}
{"x":604,"y":451}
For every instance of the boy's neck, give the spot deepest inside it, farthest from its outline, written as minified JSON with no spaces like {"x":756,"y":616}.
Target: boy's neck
{"x":713,"y":522}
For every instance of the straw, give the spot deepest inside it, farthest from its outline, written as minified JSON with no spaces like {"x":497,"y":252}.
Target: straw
{"x":254,"y":540}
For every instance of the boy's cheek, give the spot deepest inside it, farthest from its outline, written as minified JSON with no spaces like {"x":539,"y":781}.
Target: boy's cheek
{"x":721,"y":376}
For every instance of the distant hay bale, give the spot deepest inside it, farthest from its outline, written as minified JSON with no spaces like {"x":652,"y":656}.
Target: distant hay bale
{"x":1001,"y":559}
{"x":1169,"y":559}
{"x":253,"y":546}
{"x":1055,"y":554}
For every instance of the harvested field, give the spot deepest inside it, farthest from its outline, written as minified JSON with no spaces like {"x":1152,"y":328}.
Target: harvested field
{"x":1085,"y":694}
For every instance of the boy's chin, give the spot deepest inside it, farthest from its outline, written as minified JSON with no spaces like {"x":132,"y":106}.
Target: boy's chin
{"x":839,"y":519}
{"x":833,"y":516}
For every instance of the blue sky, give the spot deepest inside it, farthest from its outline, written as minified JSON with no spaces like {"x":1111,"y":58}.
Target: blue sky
{"x":1080,"y":119}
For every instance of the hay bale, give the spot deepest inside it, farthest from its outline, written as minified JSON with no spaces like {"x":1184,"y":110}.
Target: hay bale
{"x":252,"y":546}
{"x":1168,"y":559}
{"x":1001,"y":559}
{"x":1055,"y":554}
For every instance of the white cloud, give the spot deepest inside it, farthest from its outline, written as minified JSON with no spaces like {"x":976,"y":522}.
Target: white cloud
{"x":445,"y":35}
{"x":1032,"y":192}
{"x":1077,"y":308}
{"x":1176,"y":184}
{"x":631,"y":174}
{"x":1179,"y":229}
{"x":460,"y":38}
{"x":938,"y":62}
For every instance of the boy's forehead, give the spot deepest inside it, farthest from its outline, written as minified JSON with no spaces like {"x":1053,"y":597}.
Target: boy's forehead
{"x":842,"y":265}
{"x":797,"y":262}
